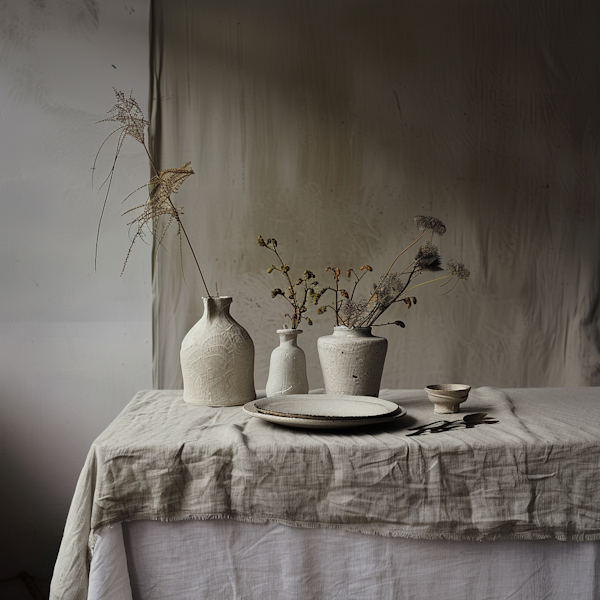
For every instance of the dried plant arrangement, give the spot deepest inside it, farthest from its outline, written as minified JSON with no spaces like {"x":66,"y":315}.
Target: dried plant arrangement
{"x":392,"y":287}
{"x":161,"y":186}
{"x":296,"y":294}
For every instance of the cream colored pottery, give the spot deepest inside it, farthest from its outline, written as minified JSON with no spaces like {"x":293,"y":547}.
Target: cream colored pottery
{"x":346,"y":415}
{"x":217,"y":358}
{"x":352,"y":361}
{"x":323,"y":406}
{"x":287,"y":370}
{"x":447,"y":397}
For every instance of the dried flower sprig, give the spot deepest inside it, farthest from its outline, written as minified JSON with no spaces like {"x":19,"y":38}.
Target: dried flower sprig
{"x":430,"y":224}
{"x":161,"y":187}
{"x":392,"y":287}
{"x":297,"y":293}
{"x":458,"y":269}
{"x":159,"y":203}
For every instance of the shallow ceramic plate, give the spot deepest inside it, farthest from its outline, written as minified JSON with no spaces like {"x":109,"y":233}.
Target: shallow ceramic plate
{"x":326,"y":406}
{"x":323,"y":422}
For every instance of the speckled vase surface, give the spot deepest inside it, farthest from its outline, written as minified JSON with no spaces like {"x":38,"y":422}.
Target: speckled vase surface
{"x":352,"y":361}
{"x":217,"y":358}
{"x":287,"y":369}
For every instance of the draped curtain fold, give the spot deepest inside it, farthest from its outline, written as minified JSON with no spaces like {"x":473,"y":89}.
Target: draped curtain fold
{"x":330,"y":124}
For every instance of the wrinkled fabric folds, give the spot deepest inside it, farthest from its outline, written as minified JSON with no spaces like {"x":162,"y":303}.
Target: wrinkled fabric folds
{"x":533,"y":475}
{"x":230,"y":559}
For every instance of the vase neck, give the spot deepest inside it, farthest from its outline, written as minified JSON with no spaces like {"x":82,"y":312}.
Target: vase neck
{"x":215,"y":306}
{"x":288,"y":336}
{"x":343,"y":331}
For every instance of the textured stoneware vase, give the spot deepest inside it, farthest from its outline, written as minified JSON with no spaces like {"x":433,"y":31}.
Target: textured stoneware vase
{"x":287,"y":370}
{"x":217,"y":358}
{"x":352,"y":361}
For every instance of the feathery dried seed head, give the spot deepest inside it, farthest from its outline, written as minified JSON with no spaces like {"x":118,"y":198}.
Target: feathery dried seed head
{"x":424,"y":223}
{"x":457,"y":269}
{"x":428,"y":257}
{"x":159,"y":203}
{"x":128,"y":113}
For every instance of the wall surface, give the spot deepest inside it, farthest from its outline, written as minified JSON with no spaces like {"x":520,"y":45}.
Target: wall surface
{"x":330,"y":124}
{"x":327,"y":124}
{"x":75,"y":341}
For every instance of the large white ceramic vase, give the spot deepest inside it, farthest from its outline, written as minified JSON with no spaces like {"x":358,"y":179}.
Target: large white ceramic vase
{"x":352,"y":361}
{"x":287,"y":369}
{"x":217,"y":358}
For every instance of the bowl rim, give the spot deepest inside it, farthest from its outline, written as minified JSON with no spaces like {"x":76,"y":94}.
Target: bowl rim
{"x":448,"y":387}
{"x":448,"y":390}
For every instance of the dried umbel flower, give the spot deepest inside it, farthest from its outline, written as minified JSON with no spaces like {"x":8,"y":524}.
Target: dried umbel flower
{"x":428,"y":257}
{"x":351,"y":311}
{"x":457,"y":269}
{"x":430,"y":223}
{"x":392,"y":287}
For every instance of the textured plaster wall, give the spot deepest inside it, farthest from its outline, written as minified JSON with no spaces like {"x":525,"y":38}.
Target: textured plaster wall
{"x":75,"y":343}
{"x":330,"y":124}
{"x":327,"y":124}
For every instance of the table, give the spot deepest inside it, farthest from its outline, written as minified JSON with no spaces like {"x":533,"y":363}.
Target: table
{"x":232,"y":503}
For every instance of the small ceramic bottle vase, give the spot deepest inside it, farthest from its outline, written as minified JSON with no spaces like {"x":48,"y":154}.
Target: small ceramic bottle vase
{"x":287,"y":370}
{"x":217,"y":358}
{"x":352,"y":361}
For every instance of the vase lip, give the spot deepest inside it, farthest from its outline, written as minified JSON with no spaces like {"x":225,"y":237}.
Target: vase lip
{"x":288,"y":330}
{"x":218,"y":300}
{"x":345,"y":328}
{"x":218,"y":303}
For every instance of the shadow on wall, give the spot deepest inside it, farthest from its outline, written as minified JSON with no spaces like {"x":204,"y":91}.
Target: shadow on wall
{"x":34,"y":506}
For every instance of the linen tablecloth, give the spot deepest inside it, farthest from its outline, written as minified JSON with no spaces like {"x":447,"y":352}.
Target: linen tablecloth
{"x":532,"y":475}
{"x":225,"y":559}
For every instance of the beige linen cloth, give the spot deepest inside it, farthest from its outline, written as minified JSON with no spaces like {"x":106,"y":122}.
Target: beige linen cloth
{"x":533,"y":475}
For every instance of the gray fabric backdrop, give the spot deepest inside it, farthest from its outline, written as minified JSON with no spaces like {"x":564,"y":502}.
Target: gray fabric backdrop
{"x":329,"y":124}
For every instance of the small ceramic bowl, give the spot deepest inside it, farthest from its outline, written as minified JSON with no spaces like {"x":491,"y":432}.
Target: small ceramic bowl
{"x":447,"y":397}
